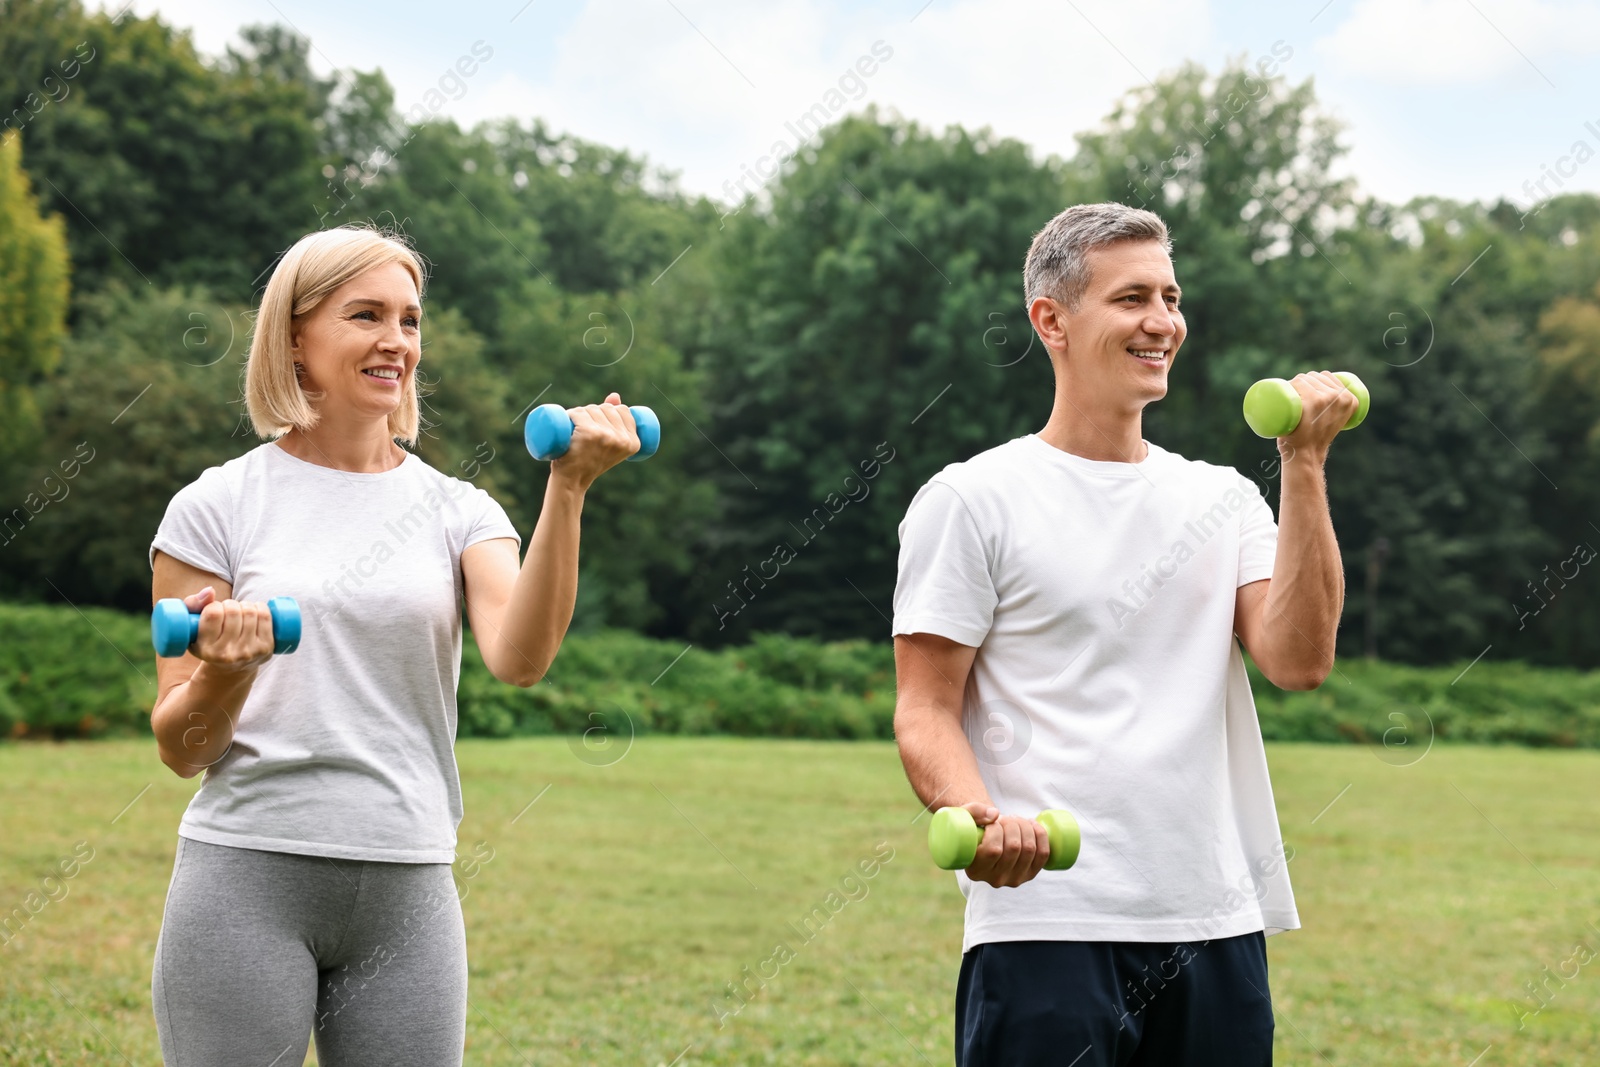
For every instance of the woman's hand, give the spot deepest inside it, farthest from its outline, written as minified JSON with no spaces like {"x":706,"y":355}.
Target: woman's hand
{"x":603,"y":435}
{"x":234,"y":635}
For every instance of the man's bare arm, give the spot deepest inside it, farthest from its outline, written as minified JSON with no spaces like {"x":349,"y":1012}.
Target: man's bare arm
{"x":930,"y":682}
{"x":1290,"y":622}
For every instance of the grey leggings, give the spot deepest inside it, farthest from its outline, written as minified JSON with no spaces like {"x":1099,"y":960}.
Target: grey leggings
{"x":257,"y":947}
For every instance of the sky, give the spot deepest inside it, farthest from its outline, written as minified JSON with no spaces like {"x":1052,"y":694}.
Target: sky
{"x":1467,"y":99}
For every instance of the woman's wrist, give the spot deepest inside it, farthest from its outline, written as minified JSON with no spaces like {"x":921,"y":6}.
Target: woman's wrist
{"x":565,"y":488}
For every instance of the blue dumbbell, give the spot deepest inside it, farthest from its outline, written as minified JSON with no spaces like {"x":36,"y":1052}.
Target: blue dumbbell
{"x":173,"y":627}
{"x":548,"y":432}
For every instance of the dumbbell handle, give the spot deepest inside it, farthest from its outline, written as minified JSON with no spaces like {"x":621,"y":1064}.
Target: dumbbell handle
{"x":1272,"y":406}
{"x":953,"y":838}
{"x":548,"y":432}
{"x":173,"y":627}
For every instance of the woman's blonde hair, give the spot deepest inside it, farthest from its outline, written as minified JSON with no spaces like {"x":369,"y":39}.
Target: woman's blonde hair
{"x":315,"y":266}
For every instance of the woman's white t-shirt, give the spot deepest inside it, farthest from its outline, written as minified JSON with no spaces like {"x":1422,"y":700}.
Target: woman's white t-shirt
{"x":1100,"y":597}
{"x":344,"y":747}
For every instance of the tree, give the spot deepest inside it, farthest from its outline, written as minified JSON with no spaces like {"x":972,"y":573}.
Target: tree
{"x":168,"y":169}
{"x":869,"y":321}
{"x":641,"y":520}
{"x":33,"y":307}
{"x":503,"y":203}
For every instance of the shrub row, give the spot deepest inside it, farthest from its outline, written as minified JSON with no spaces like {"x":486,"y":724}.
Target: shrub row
{"x":90,"y":673}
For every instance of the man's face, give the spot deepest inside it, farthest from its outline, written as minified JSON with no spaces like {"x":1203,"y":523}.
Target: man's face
{"x":1123,"y":338}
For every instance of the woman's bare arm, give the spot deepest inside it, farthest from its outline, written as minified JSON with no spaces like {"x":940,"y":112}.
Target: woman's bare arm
{"x":519,"y":616}
{"x":198,"y":697}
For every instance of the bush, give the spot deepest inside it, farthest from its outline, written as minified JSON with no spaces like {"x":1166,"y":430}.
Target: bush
{"x":70,"y":673}
{"x":89,"y":673}
{"x":1384,"y":703}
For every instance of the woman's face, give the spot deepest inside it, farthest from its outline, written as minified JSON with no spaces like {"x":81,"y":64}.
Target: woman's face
{"x":360,"y":346}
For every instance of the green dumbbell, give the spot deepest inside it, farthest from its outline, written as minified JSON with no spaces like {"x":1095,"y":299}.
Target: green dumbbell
{"x":953,"y":838}
{"x":1272,"y":407}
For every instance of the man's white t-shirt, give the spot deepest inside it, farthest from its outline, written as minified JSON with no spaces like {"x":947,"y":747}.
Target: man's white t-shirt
{"x":1108,"y":682}
{"x":344,"y":747}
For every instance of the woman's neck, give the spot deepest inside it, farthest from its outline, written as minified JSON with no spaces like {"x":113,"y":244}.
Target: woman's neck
{"x":363,"y":450}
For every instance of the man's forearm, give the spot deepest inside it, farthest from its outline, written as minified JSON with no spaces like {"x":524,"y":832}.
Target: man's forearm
{"x":938,"y":759}
{"x":546,"y":589}
{"x":1306,"y":596}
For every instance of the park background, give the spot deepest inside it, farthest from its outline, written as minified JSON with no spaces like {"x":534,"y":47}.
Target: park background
{"x":855,"y":308}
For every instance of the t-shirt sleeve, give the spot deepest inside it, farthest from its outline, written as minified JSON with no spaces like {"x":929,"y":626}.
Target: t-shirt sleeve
{"x":945,"y":586}
{"x":195,"y":528}
{"x":1258,"y":536}
{"x":486,"y":520}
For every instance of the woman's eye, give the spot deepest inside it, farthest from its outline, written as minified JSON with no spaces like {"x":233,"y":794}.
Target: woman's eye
{"x":411,"y":322}
{"x":367,"y":314}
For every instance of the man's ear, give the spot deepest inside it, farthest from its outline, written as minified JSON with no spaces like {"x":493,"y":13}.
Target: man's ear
{"x":1050,"y":323}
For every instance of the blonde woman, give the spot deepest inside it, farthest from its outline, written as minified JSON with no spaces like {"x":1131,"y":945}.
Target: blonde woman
{"x":312,"y":889}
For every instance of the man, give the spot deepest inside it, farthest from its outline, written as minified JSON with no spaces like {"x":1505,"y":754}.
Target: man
{"x":1064,"y":638}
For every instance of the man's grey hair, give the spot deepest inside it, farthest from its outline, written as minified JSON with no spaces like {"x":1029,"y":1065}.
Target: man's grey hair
{"x":1058,"y":259}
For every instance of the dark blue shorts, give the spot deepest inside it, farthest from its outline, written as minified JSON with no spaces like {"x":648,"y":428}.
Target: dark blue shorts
{"x":1115,"y":1004}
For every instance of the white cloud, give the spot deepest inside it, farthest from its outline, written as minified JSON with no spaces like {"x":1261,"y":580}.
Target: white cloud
{"x":1038,"y":70}
{"x":1443,"y":42}
{"x":708,"y":88}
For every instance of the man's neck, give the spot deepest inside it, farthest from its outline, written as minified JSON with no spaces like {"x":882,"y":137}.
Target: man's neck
{"x":1091,"y":431}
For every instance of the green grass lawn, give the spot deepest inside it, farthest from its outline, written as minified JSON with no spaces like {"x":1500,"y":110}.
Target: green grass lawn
{"x":616,"y":910}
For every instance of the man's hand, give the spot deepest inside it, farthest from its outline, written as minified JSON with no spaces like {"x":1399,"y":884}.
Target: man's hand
{"x":1326,"y":405}
{"x":1013,"y":850}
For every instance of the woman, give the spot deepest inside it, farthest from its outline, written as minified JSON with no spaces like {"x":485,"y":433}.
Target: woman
{"x":312,"y":882}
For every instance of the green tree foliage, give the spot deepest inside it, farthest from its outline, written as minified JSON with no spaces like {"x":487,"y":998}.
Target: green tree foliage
{"x":168,"y":169}
{"x":641,"y":520}
{"x":814,"y":357}
{"x":1238,"y":167}
{"x":884,"y":280}
{"x":33,"y":303}
{"x":147,"y":396}
{"x":862,"y":294}
{"x":505,"y":203}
